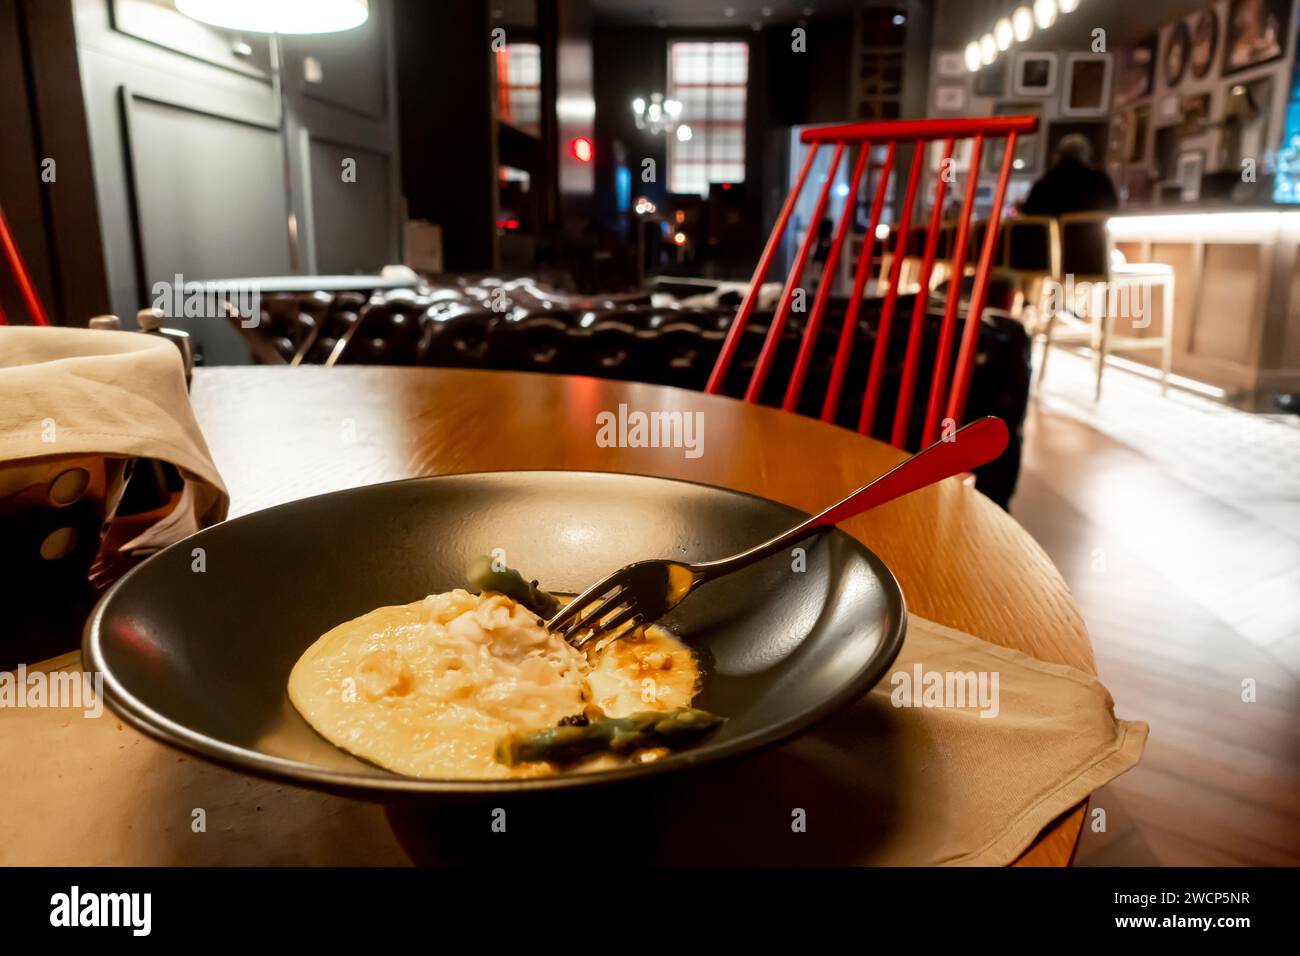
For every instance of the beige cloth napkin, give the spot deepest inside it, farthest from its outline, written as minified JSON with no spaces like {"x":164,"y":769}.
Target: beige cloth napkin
{"x":887,"y":785}
{"x":981,"y":788}
{"x":119,"y":394}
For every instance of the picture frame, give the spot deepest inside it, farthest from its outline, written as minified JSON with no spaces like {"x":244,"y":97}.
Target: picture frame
{"x":991,"y":80}
{"x":950,"y":64}
{"x":1190,"y":169}
{"x":961,"y":154}
{"x":1244,"y":129}
{"x":1087,"y":84}
{"x":1176,"y":54}
{"x":949,"y":98}
{"x":1028,"y":158}
{"x":1137,"y":70}
{"x":1196,"y":112}
{"x":1255,"y":33}
{"x":1137,"y":150}
{"x":1034,"y":74}
{"x":1205,"y":42}
{"x":1117,"y":142}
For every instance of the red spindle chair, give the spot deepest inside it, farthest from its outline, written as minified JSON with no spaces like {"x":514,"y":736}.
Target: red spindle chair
{"x":947,"y":399}
{"x":21,"y":275}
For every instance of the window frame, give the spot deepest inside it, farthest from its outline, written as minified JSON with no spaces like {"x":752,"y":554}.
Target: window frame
{"x":708,"y":125}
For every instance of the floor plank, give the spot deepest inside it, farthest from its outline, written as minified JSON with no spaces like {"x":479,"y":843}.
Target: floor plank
{"x":1186,"y":595}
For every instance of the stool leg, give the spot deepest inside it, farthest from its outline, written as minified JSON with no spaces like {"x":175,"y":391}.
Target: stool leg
{"x":1047,"y":348}
{"x":1103,"y":327}
{"x":1167,"y":332}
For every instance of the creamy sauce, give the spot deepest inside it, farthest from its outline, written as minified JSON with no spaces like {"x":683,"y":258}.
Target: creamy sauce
{"x":428,"y":688}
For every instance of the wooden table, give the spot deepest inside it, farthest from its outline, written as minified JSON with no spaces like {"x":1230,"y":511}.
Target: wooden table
{"x":278,"y":434}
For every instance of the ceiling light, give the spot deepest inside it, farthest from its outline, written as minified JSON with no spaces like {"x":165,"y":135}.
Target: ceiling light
{"x":1044,"y":13}
{"x":988,"y":49}
{"x":1067,"y":6}
{"x":973,"y":62}
{"x":684,"y":133}
{"x":1002,"y":33}
{"x":1022,"y":23}
{"x":278,"y":16}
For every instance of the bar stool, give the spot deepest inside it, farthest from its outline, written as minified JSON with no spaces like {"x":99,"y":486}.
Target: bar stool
{"x":1033,"y":256}
{"x":1087,"y":265}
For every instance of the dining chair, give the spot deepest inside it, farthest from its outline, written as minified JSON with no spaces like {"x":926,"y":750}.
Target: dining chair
{"x":1096,"y":289}
{"x":1033,"y":256}
{"x":950,"y":380}
{"x":21,"y":276}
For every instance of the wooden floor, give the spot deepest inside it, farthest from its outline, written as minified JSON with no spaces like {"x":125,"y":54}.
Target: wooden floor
{"x":1220,"y":780}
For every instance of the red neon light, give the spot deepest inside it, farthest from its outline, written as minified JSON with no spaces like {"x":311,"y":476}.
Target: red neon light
{"x":582,"y":149}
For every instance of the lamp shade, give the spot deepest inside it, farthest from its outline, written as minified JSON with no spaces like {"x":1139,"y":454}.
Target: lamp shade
{"x":278,"y":16}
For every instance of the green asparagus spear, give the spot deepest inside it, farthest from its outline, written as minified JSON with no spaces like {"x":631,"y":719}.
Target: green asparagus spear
{"x":621,"y":735}
{"x":511,"y":583}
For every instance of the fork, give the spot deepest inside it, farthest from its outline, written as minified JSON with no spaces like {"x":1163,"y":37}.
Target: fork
{"x":644,"y":591}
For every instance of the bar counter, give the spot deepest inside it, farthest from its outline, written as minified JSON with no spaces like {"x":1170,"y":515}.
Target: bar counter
{"x":1236,"y":294}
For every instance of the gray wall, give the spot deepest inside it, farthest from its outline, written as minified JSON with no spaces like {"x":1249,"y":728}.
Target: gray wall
{"x":197,"y":172}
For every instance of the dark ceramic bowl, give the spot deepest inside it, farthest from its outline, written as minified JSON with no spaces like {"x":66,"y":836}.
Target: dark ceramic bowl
{"x":199,"y":659}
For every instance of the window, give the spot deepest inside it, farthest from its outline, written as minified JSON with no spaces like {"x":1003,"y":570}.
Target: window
{"x":709,"y":80}
{"x":519,"y":86}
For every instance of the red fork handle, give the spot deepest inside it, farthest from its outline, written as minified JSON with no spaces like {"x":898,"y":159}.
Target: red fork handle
{"x":967,"y":448}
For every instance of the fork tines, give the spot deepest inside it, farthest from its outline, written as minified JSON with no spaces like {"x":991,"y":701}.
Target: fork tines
{"x":605,"y":617}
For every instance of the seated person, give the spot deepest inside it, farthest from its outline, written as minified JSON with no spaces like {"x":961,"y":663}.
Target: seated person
{"x":1073,"y":184}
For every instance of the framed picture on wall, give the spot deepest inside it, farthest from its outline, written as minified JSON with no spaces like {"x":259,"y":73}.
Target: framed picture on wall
{"x":1169,"y":107}
{"x":1177,"y":53}
{"x":1137,"y":67}
{"x":1164,"y":158}
{"x":961,"y":151}
{"x":1245,"y":122}
{"x":1035,"y":75}
{"x":1137,"y":150}
{"x":1196,"y":112}
{"x":949,"y":98}
{"x":1205,"y":42}
{"x":1121,"y":122}
{"x":1255,"y":33}
{"x":1087,"y":84}
{"x":1027,"y":158}
{"x":950,"y":64}
{"x":991,"y":81}
{"x":1191,"y":166}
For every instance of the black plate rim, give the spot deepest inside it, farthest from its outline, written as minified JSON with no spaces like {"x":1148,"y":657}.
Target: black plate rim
{"x":373,"y":787}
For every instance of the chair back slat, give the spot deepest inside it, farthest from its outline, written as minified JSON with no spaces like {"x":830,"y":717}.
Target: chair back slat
{"x":966,"y":230}
{"x":737,"y":330}
{"x":936,"y":240}
{"x":774,"y":331}
{"x":845,"y":347}
{"x":877,"y":373}
{"x":966,"y":357}
{"x":824,"y":289}
{"x":903,"y":410}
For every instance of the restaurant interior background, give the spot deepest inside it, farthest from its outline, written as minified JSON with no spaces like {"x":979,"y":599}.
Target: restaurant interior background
{"x":585,"y":186}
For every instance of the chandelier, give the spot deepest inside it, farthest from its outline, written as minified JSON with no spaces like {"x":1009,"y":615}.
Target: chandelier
{"x":660,"y":116}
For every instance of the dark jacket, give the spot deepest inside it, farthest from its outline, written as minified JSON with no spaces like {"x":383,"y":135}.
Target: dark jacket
{"x":1070,"y":186}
